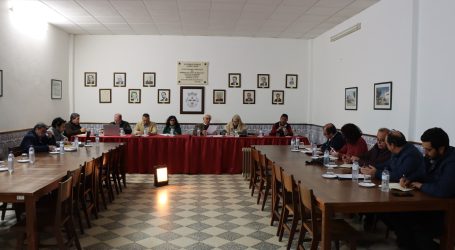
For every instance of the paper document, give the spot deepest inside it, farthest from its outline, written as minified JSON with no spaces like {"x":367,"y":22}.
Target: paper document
{"x":345,"y":165}
{"x":398,"y":187}
{"x":348,"y":176}
{"x":211,"y":129}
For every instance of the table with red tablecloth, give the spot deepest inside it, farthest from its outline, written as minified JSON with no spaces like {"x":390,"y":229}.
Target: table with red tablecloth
{"x":186,"y":154}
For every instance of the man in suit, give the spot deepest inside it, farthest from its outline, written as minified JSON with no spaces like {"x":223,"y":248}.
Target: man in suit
{"x":249,"y":98}
{"x":334,"y":141}
{"x":278,"y":98}
{"x":263,"y":82}
{"x":234,"y":82}
{"x":39,"y":139}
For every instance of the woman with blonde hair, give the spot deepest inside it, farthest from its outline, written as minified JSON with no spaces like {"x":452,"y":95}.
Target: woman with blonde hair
{"x":236,"y":124}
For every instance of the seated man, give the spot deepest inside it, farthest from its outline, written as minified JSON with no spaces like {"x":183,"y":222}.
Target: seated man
{"x":334,"y":141}
{"x":57,"y":129}
{"x":203,"y":127}
{"x":378,"y":153}
{"x":39,"y":139}
{"x":282,"y":128}
{"x":73,"y":127}
{"x":417,"y":230}
{"x":406,"y":160}
{"x":122,"y":124}
{"x":143,"y":124}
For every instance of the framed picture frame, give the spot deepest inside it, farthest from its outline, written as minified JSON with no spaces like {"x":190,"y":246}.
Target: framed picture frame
{"x":105,"y":95}
{"x":192,"y":100}
{"x":350,"y":98}
{"x":119,"y":79}
{"x":235,"y":80}
{"x":292,"y":81}
{"x":263,"y":81}
{"x":164,"y":96}
{"x":90,"y":79}
{"x":278,"y":97}
{"x":219,"y":96}
{"x":1,"y":83}
{"x":56,"y":89}
{"x":383,"y":96}
{"x":134,"y":96}
{"x":249,"y":96}
{"x":149,"y":79}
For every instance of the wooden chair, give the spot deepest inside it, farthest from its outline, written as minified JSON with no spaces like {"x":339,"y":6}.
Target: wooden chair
{"x":311,"y":223}
{"x":88,"y":203}
{"x":76,"y":197}
{"x":115,"y":170}
{"x":105,"y":173}
{"x":290,"y":208}
{"x":58,"y":219}
{"x":254,"y":179}
{"x":265,"y":180}
{"x":121,"y":163}
{"x":277,"y":194}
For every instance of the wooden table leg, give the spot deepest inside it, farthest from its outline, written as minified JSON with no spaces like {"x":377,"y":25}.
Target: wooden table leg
{"x":31,"y":225}
{"x":326,"y":242}
{"x":447,"y":241}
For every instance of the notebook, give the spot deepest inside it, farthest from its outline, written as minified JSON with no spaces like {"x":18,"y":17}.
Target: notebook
{"x":111,"y":130}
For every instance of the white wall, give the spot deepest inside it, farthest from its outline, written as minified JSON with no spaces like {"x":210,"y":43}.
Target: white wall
{"x":379,"y":52}
{"x":436,"y":67}
{"x":137,"y":54}
{"x":29,"y":61}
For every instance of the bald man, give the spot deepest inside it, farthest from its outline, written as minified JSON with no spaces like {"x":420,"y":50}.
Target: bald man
{"x":122,"y":124}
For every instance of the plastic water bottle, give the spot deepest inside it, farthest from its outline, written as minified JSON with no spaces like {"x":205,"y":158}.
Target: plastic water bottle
{"x":385,"y":181}
{"x":97,"y":139}
{"x":314,"y":150}
{"x":62,"y":147}
{"x":198,"y":132}
{"x":236,"y":133}
{"x":355,"y":171}
{"x":292,"y":143}
{"x":122,"y":132}
{"x":76,"y":142}
{"x":146,"y":131}
{"x":172,"y":131}
{"x":326,"y":157}
{"x":297,"y":144}
{"x":31,"y":154}
{"x":10,"y":162}
{"x":261,"y":134}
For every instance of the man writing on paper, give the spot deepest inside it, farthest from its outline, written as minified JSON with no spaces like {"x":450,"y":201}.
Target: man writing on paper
{"x":417,"y":230}
{"x":334,"y":141}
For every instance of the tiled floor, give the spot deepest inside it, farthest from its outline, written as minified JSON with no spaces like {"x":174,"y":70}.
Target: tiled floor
{"x":193,"y":212}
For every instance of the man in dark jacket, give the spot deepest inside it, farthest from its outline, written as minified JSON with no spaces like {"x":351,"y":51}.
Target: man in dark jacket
{"x":334,"y":141}
{"x":38,"y":138}
{"x":378,"y":154}
{"x":73,"y":127}
{"x":122,"y":124}
{"x":406,"y":160}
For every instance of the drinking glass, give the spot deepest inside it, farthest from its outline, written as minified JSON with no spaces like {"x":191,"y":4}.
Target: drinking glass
{"x":366,"y":178}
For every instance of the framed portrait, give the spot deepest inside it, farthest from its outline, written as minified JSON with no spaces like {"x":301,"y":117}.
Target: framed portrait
{"x":164,"y":96}
{"x":192,"y":100}
{"x":90,"y":79}
{"x":350,"y":98}
{"x":119,"y":79}
{"x":235,"y":80}
{"x":105,"y":95}
{"x":278,"y":97}
{"x":219,"y":96}
{"x":249,"y":96}
{"x":1,"y":83}
{"x":56,"y":89}
{"x":148,"y":79}
{"x":263,"y":81}
{"x":383,"y":96}
{"x":134,"y":96}
{"x":291,"y":81}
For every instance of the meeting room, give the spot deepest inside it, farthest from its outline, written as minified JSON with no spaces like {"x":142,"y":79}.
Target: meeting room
{"x":227,"y":124}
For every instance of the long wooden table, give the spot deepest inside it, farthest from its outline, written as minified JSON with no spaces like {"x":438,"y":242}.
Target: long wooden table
{"x":345,"y":196}
{"x":29,"y":182}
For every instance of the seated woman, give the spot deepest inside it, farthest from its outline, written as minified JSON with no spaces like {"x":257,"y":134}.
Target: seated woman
{"x":57,"y":129}
{"x":355,"y":144}
{"x":235,"y":124}
{"x":172,"y":123}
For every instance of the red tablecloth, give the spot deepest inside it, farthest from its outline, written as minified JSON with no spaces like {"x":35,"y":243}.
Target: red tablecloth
{"x":189,"y":154}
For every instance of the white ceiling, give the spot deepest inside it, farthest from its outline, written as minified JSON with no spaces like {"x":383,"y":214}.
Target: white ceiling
{"x":248,"y":18}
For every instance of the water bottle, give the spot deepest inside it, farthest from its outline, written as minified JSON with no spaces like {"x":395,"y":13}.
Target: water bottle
{"x":261,"y":134}
{"x":292,"y":143}
{"x":314,"y":150}
{"x":297,"y":144}
{"x":236,"y":133}
{"x":355,"y":171}
{"x":198,"y":132}
{"x":76,"y":142}
{"x":31,"y":154}
{"x":146,"y":131}
{"x":122,"y":132}
{"x":172,"y":131}
{"x":97,"y":139}
{"x":62,"y":147}
{"x":10,"y":162}
{"x":326,"y":157}
{"x":385,"y":181}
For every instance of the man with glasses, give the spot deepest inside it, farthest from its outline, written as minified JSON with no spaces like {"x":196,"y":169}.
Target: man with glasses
{"x":406,"y":160}
{"x":378,"y":153}
{"x":118,"y":120}
{"x":204,"y":126}
{"x":334,"y":141}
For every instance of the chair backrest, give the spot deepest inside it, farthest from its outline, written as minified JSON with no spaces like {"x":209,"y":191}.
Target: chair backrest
{"x":64,"y":206}
{"x":290,"y":192}
{"x":262,"y":165}
{"x":277,"y":170}
{"x":17,"y":150}
{"x":308,"y":210}
{"x":88,"y":175}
